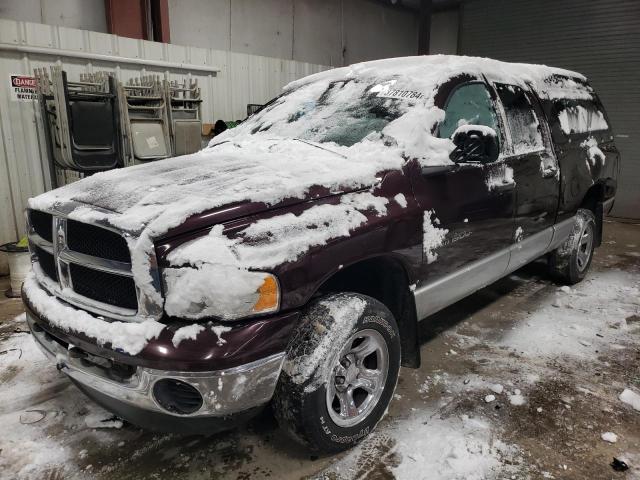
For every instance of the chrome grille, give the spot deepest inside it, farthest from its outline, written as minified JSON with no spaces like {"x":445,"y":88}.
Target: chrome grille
{"x":97,"y":241}
{"x":47,"y":263}
{"x":41,"y":224}
{"x":72,"y":256}
{"x":103,"y":287}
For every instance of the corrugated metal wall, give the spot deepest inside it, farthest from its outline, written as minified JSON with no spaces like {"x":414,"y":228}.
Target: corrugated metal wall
{"x":242,"y":79}
{"x":600,"y":39}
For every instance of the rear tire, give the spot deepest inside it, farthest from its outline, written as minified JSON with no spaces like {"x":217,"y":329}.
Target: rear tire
{"x":571,"y":261}
{"x":340,"y":372}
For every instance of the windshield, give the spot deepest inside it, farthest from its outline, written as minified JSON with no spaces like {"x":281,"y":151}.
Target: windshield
{"x":343,"y":112}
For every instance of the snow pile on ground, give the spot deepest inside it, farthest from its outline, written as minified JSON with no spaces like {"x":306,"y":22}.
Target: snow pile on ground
{"x":630,"y":398}
{"x":452,"y":448}
{"x":579,"y":320}
{"x":36,"y":403}
{"x":428,"y":447}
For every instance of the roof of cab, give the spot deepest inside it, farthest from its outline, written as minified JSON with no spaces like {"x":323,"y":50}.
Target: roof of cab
{"x":429,"y":71}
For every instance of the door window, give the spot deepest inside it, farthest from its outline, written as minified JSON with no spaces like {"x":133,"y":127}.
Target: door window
{"x":469,"y":104}
{"x":522,"y":121}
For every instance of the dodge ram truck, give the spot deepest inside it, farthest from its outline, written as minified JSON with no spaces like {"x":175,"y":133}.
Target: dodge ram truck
{"x":290,"y":261}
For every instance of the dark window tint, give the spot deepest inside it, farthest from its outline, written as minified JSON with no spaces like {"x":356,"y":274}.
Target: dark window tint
{"x":469,"y":104}
{"x":524,"y":127}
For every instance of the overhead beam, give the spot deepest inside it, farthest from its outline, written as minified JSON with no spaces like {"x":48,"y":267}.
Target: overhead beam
{"x":424,"y":26}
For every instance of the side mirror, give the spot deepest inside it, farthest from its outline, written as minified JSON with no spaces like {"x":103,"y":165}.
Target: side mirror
{"x":475,"y":143}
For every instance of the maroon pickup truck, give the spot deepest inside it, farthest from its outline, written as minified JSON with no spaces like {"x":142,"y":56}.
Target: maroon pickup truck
{"x":289,"y":262}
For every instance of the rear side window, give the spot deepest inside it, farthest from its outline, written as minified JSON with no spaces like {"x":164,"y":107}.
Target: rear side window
{"x":469,"y":104}
{"x":522,"y":121}
{"x":580,"y":116}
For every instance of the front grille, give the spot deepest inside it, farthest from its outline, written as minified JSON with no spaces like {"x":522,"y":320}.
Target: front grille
{"x":85,"y":276}
{"x":104,"y":287}
{"x":47,"y":263}
{"x":41,"y":223}
{"x":97,"y":241}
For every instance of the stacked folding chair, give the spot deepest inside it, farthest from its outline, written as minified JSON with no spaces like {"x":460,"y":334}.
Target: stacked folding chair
{"x":145,"y":123}
{"x":81,"y":119}
{"x":98,"y":123}
{"x":184,"y":116}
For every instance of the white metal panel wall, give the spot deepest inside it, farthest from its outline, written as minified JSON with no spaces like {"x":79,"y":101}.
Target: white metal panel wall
{"x":600,"y":39}
{"x":242,"y":79}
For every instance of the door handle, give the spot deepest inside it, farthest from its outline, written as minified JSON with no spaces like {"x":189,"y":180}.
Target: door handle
{"x":505,"y":187}
{"x":437,"y":169}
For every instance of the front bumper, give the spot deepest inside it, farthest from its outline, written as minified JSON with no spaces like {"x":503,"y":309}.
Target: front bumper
{"x":224,"y":393}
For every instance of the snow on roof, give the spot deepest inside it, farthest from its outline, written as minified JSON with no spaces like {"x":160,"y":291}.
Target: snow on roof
{"x":432,"y":70}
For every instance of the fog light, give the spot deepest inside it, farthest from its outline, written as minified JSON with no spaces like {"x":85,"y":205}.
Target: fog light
{"x":177,"y":396}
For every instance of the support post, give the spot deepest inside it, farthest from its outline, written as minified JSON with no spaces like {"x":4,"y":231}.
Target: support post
{"x":424,"y":26}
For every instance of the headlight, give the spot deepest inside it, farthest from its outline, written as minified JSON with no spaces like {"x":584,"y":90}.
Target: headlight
{"x":219,"y":291}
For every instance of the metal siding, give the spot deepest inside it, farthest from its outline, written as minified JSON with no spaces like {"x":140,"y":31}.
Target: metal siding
{"x":243,"y":79}
{"x":599,"y":39}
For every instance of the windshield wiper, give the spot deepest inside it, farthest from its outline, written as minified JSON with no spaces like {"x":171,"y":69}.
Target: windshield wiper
{"x":319,"y":146}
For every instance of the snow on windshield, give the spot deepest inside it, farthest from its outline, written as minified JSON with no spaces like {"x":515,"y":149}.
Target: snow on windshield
{"x":343,"y":112}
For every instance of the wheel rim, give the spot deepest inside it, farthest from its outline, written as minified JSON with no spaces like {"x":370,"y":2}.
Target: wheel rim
{"x":357,"y":378}
{"x":585,"y":247}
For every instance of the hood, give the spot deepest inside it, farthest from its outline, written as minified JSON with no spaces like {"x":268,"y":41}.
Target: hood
{"x":259,"y":171}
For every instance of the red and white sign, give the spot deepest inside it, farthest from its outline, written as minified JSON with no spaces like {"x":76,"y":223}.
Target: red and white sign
{"x":23,"y":88}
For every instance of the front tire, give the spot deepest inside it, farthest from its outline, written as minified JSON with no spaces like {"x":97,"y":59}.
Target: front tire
{"x":340,"y":372}
{"x":571,"y":261}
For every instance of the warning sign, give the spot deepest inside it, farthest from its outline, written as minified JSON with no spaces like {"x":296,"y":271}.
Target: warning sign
{"x":23,"y":88}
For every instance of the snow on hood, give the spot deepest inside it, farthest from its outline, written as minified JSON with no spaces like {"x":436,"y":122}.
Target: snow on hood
{"x":149,"y":200}
{"x":162,"y":194}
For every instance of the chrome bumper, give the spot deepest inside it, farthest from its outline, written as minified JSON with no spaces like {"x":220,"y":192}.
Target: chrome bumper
{"x":224,"y":392}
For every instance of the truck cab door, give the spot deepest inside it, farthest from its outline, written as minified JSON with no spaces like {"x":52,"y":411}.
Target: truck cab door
{"x":468,"y":208}
{"x":529,"y":153}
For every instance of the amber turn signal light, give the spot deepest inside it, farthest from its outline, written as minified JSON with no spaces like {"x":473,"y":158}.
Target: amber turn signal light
{"x":268,"y":295}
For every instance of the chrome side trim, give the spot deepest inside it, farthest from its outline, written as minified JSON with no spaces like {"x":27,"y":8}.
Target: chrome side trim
{"x":224,"y":392}
{"x":561,"y":232}
{"x":529,"y":249}
{"x":441,"y":293}
{"x":433,"y":297}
